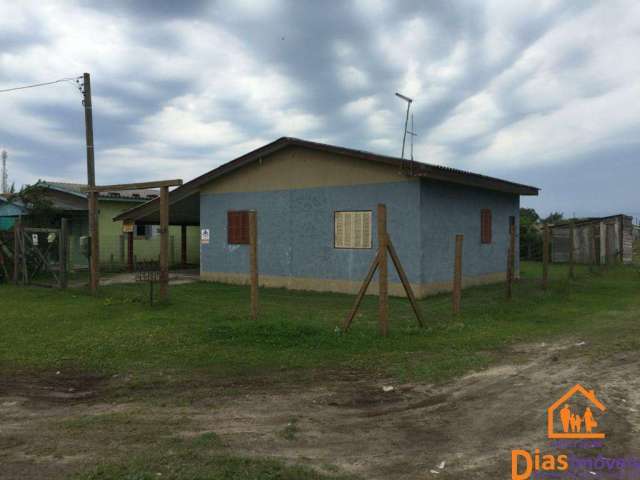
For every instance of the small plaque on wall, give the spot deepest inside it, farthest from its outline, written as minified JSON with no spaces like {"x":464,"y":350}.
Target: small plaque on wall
{"x":204,"y":236}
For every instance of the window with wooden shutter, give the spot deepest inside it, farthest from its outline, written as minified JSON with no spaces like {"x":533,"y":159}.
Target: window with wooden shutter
{"x":485,"y":226}
{"x":238,"y":227}
{"x":352,"y":229}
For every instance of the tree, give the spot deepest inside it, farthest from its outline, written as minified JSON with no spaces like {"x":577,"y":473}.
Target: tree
{"x":530,"y":234}
{"x":554,"y":217}
{"x":40,"y":207}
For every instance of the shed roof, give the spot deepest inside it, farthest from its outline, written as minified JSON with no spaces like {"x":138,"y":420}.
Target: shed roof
{"x":79,"y":189}
{"x":413,"y":169}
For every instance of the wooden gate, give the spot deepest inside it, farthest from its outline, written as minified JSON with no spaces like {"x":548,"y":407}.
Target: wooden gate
{"x":41,"y":256}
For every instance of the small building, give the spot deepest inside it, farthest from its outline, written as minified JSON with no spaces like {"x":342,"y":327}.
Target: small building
{"x":69,"y":200}
{"x":316,"y":211}
{"x":592,"y":239}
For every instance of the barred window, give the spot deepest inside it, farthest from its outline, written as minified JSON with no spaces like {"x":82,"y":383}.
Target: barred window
{"x":352,"y":229}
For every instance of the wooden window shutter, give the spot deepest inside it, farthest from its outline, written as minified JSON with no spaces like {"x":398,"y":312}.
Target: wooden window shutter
{"x":352,"y":229}
{"x":238,"y":227}
{"x":485,"y":226}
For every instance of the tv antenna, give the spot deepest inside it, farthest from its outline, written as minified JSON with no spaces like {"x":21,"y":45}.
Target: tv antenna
{"x":5,"y":175}
{"x":406,"y":120}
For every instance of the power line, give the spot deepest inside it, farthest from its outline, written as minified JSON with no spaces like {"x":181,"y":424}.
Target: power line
{"x":74,"y":79}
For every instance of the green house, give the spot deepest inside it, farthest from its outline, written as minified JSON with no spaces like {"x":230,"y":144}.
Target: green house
{"x":69,"y":201}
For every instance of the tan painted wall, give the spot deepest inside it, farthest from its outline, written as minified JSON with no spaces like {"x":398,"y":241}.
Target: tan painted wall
{"x":295,"y":168}
{"x":347,"y":286}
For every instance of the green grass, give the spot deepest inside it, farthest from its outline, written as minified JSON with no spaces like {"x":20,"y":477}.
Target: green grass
{"x":207,"y":329}
{"x":200,"y":458}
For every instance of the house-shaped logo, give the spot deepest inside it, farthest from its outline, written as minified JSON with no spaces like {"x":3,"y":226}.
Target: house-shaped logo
{"x":573,"y":424}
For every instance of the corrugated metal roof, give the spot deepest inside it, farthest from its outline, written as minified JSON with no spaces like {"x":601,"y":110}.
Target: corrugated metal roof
{"x":78,"y":189}
{"x":412,"y":169}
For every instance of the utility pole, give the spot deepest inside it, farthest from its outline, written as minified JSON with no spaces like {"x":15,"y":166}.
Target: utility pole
{"x":5,"y":175}
{"x":92,"y":196}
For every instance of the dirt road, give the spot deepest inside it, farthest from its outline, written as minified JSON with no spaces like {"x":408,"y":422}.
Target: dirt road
{"x":345,"y":423}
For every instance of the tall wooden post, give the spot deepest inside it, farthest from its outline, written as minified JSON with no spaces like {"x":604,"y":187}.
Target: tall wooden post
{"x":17,"y":234}
{"x":164,"y":243}
{"x":511,"y":259}
{"x":607,"y":245}
{"x":595,"y":258}
{"x":183,"y":245}
{"x":457,"y":275}
{"x":545,"y":257}
{"x":572,"y":250}
{"x":253,"y":262}
{"x":383,"y":272}
{"x":130,"y":251}
{"x":92,"y":197}
{"x":63,"y":252}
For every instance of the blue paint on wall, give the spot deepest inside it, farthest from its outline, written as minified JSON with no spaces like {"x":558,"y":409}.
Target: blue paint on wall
{"x":296,"y":228}
{"x":449,"y":209}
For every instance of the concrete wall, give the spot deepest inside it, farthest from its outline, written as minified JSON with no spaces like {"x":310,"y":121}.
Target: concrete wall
{"x":295,"y":235}
{"x":296,"y":192}
{"x":448,"y":209}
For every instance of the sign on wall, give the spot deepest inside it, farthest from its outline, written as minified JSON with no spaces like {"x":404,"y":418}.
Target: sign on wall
{"x":34,"y":239}
{"x":127,"y":227}
{"x":204,"y":236}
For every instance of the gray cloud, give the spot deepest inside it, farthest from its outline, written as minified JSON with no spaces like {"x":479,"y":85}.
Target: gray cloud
{"x":521,"y":90}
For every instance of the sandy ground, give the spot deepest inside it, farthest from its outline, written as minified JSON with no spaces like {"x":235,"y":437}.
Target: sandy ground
{"x":344,"y":423}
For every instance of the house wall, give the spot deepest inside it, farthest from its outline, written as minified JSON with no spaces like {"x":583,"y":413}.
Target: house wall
{"x":449,"y":209}
{"x":296,"y":224}
{"x":113,"y":243}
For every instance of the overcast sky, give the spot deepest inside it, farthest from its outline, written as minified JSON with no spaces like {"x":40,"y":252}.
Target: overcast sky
{"x":545,"y":93}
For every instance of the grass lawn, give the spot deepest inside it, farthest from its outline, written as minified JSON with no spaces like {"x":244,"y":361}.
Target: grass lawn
{"x":206,"y":333}
{"x":207,"y":329}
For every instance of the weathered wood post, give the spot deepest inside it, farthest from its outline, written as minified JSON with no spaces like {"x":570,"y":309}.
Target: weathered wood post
{"x":607,"y":246}
{"x":572,"y":259}
{"x":16,"y":250}
{"x":164,"y":244}
{"x":130,"y":250}
{"x":457,"y":275}
{"x":183,"y":245}
{"x":63,"y":252}
{"x":594,"y":251}
{"x":511,"y":259}
{"x":545,"y":256}
{"x":383,"y":272}
{"x":253,"y":262}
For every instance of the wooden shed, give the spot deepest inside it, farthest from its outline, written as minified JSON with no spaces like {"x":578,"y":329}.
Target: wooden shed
{"x":594,"y":240}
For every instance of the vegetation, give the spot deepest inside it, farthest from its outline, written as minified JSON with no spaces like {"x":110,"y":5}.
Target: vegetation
{"x":206,"y":329}
{"x":203,"y":345}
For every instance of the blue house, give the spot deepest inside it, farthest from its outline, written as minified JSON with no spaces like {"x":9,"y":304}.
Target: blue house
{"x":10,"y":211}
{"x":316,"y":209}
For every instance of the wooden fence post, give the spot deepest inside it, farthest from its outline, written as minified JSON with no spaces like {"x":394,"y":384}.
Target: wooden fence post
{"x":164,"y":244}
{"x":457,"y":274}
{"x":572,"y":250}
{"x":130,"y":251}
{"x":383,"y":272}
{"x":63,"y":252}
{"x":253,"y":262}
{"x":16,"y":250}
{"x":607,"y":246}
{"x":511,"y":259}
{"x":545,"y":256}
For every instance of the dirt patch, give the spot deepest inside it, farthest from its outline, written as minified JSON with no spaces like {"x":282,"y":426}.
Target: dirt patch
{"x":350,"y":423}
{"x":54,"y":388}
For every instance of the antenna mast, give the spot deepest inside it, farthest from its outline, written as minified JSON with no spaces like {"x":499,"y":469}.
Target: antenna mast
{"x":413,"y":134}
{"x":406,"y":120}
{"x":5,"y":175}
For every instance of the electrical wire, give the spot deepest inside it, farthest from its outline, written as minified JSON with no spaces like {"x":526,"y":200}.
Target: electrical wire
{"x":40,"y":84}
